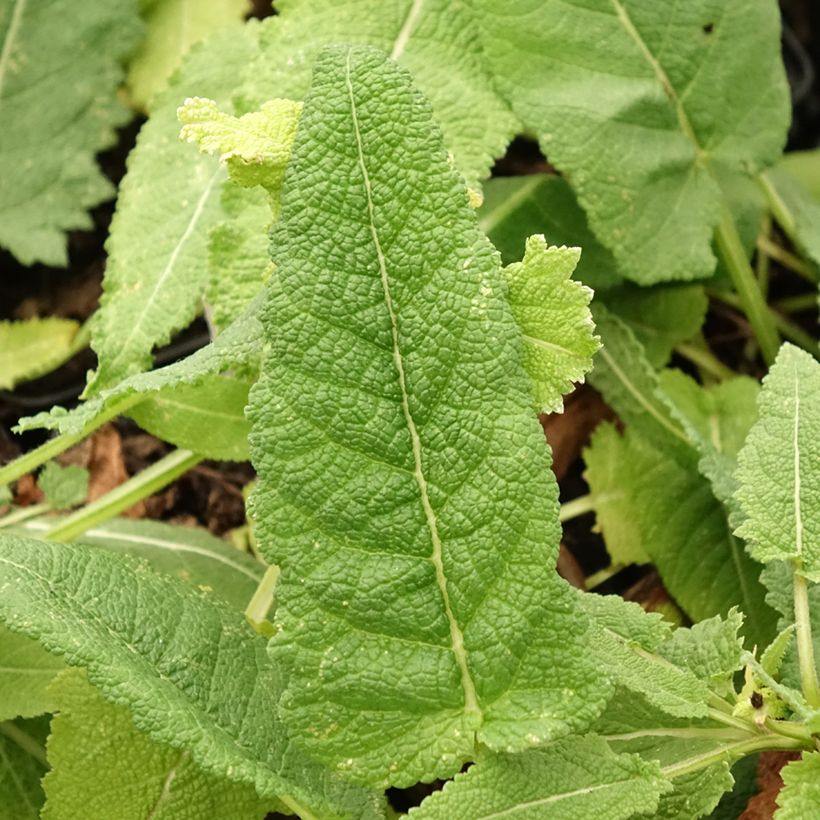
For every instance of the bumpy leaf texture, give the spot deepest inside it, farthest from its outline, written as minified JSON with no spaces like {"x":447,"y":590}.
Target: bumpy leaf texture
{"x":778,"y":473}
{"x":645,"y":107}
{"x":58,"y":101}
{"x":405,"y":489}
{"x":800,"y":795}
{"x":190,"y":669}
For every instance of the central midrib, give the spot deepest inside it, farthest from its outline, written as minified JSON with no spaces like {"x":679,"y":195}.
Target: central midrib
{"x":11,"y":34}
{"x":798,"y":513}
{"x":456,"y":635}
{"x":407,"y":29}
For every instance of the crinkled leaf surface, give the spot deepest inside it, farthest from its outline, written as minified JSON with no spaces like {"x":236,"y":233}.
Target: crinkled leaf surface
{"x":189,"y":553}
{"x":207,"y":417}
{"x":172,"y":27}
{"x":58,"y":101}
{"x":157,"y":248}
{"x":778,"y":472}
{"x":552,"y":312}
{"x":22,"y":763}
{"x":436,"y":40}
{"x":800,"y":795}
{"x":579,"y":778}
{"x":63,"y":487}
{"x":189,"y":668}
{"x":30,"y":348}
{"x":643,"y":106}
{"x":26,"y":670}
{"x":418,"y":606}
{"x":103,"y":767}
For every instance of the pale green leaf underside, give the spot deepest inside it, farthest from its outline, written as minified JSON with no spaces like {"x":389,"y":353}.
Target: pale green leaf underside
{"x":26,"y":670}
{"x":643,"y":106}
{"x":30,"y":348}
{"x":800,"y":795}
{"x":172,"y":27}
{"x":59,"y":106}
{"x":552,"y":312}
{"x":418,"y":604}
{"x":436,"y":40}
{"x":63,"y":487}
{"x":579,"y":778}
{"x":189,"y":668}
{"x":193,"y":555}
{"x":778,"y":473}
{"x":22,"y":764}
{"x":103,"y":767}
{"x":207,"y":417}
{"x":157,"y":248}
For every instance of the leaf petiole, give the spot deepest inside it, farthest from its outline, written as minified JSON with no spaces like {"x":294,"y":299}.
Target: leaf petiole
{"x":805,"y":646}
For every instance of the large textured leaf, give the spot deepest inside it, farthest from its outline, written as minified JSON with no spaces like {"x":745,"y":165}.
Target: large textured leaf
{"x":194,"y":555}
{"x":31,"y":348}
{"x":22,"y":763}
{"x":574,"y":779}
{"x":157,"y":249}
{"x":172,"y":27}
{"x":26,"y":670}
{"x":645,"y":107}
{"x":437,"y":40}
{"x":778,"y":473}
{"x":103,"y":767}
{"x":404,"y":484}
{"x":553,"y":314}
{"x":192,"y":672}
{"x":59,"y":105}
{"x":797,"y":208}
{"x":800,"y":795}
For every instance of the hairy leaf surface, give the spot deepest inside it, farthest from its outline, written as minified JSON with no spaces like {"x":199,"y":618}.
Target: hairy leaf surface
{"x":189,"y":668}
{"x":63,"y":487}
{"x":779,"y":479}
{"x":58,"y":98}
{"x":103,"y":767}
{"x":418,"y":606}
{"x":800,"y":794}
{"x":645,"y":106}
{"x":579,"y":778}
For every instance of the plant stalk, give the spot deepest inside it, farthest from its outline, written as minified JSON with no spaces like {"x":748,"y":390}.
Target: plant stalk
{"x":771,"y":250}
{"x":259,"y":605}
{"x":796,"y":304}
{"x":743,"y":278}
{"x":578,"y":506}
{"x":705,"y":360}
{"x":23,"y":514}
{"x":805,"y":647}
{"x":140,"y":486}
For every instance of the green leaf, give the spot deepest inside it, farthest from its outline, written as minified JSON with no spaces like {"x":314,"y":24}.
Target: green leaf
{"x":186,"y":666}
{"x":645,"y":125}
{"x":207,"y":417}
{"x":103,"y":767}
{"x":774,"y":653}
{"x":156,"y":271}
{"x":653,"y":507}
{"x":33,"y":347}
{"x":779,"y":490}
{"x":437,"y":41}
{"x":63,"y":487}
{"x":800,"y":794}
{"x":22,"y":763}
{"x":625,"y":639}
{"x":172,"y":27}
{"x":255,"y":147}
{"x":733,"y":803}
{"x":418,"y":606}
{"x":515,"y":208}
{"x":798,"y":208}
{"x":579,"y":778}
{"x":58,"y":94}
{"x":552,"y":312}
{"x":191,"y":554}
{"x":711,"y":649}
{"x":805,"y":166}
{"x":26,"y":670}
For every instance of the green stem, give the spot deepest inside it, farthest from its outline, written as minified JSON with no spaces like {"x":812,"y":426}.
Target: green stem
{"x":730,"y":720}
{"x":762,"y":261}
{"x":53,"y":447}
{"x":794,"y":333}
{"x":805,"y":647}
{"x":578,"y":506}
{"x":706,"y":360}
{"x":796,"y":304}
{"x":771,"y":250}
{"x":602,"y":576}
{"x":23,"y":514}
{"x":742,"y":748}
{"x":779,"y":210}
{"x":258,"y":607}
{"x":140,"y":486}
{"x":743,"y":278}
{"x":25,"y":741}
{"x":787,"y":695}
